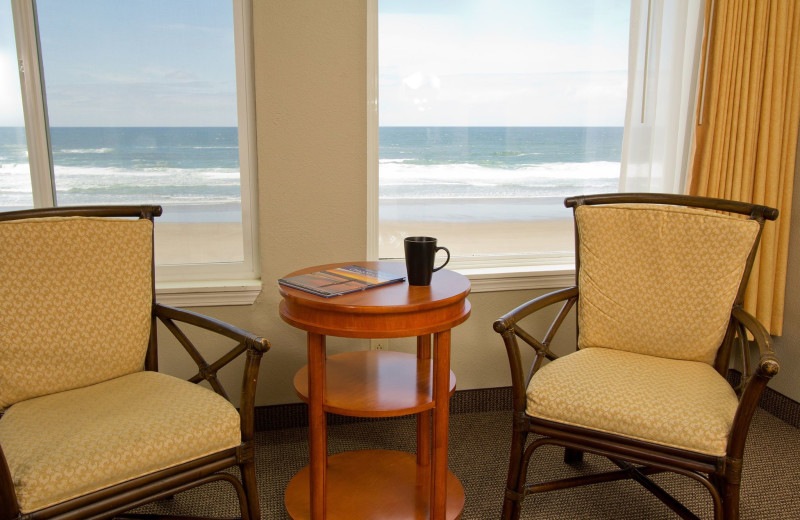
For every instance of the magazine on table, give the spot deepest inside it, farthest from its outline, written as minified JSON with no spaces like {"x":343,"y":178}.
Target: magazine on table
{"x":341,"y":280}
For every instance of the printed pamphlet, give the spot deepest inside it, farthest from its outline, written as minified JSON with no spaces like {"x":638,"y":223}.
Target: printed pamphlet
{"x":341,"y":280}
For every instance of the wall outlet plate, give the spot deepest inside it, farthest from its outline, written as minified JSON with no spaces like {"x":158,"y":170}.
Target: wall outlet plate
{"x":379,"y":344}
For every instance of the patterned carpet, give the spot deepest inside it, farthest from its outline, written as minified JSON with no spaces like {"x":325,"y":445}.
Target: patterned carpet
{"x":479,"y":444}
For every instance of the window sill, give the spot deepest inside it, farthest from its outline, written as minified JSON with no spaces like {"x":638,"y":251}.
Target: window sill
{"x":514,"y":278}
{"x":483,"y":279}
{"x":208,"y":293}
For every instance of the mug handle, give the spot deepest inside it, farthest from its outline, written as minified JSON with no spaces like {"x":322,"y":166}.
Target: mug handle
{"x":445,"y":262}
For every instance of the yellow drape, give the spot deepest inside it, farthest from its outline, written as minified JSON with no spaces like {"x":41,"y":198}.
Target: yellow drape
{"x":746,"y":131}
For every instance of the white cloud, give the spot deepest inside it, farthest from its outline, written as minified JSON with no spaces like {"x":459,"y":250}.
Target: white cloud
{"x":562,"y":99}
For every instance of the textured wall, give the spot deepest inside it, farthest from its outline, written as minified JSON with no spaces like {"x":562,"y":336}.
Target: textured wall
{"x":787,"y":347}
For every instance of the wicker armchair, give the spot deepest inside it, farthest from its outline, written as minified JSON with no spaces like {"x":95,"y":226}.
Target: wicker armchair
{"x":660,"y":282}
{"x":89,"y":427}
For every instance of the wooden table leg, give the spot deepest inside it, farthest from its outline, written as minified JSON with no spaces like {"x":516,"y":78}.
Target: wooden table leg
{"x":424,"y":418}
{"x":317,"y":427}
{"x":441,"y":411}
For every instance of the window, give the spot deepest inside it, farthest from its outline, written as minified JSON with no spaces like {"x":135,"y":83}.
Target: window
{"x":488,"y":114}
{"x":140,"y":103}
{"x":15,"y":177}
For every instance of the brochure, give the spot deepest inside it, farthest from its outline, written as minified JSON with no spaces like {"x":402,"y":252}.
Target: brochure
{"x":342,"y":280}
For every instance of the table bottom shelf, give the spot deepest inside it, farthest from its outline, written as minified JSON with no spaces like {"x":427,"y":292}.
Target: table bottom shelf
{"x":374,"y":485}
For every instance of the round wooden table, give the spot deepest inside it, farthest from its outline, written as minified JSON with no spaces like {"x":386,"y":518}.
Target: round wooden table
{"x":378,"y":484}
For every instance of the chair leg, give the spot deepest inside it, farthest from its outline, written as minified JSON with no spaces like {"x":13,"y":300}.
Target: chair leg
{"x":512,"y":505}
{"x":730,"y":500}
{"x":248,"y":471}
{"x":572,"y":456}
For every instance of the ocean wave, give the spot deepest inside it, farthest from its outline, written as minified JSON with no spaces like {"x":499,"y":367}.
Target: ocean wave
{"x":23,"y":169}
{"x":15,"y":168}
{"x":85,"y":150}
{"x":390,"y":161}
{"x":81,"y":185}
{"x":474,"y":182}
{"x":14,"y":178}
{"x":399,"y":181}
{"x":150,"y":172}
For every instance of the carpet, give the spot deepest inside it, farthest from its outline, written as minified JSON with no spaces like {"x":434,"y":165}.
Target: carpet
{"x":478,"y":456}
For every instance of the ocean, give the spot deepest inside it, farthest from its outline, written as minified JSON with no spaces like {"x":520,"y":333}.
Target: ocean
{"x":192,"y":171}
{"x":426,"y":173}
{"x":484,"y":174}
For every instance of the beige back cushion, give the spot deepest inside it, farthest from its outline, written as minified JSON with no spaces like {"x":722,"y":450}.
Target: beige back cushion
{"x":659,"y":280}
{"x":75,"y":303}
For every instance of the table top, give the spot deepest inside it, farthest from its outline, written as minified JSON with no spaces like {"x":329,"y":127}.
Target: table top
{"x":394,"y":310}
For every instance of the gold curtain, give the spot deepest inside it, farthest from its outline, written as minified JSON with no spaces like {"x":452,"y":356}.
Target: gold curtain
{"x":746,"y":130}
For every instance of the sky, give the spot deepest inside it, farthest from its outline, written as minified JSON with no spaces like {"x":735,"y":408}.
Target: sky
{"x":503,"y":62}
{"x":129,"y":63}
{"x":442,"y":63}
{"x":10,"y":101}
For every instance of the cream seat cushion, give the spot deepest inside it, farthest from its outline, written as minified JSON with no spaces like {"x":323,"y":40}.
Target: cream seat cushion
{"x":64,"y":445}
{"x":678,"y":403}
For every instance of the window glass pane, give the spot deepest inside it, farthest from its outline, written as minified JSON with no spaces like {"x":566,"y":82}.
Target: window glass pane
{"x":15,"y":177}
{"x":142,"y":109}
{"x":491,"y":113}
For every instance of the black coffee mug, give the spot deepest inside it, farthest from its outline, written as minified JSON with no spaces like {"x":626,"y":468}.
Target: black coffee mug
{"x":420,"y":255}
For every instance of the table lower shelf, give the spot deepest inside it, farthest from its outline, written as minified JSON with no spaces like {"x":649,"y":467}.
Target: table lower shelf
{"x":374,"y":485}
{"x":368,"y":383}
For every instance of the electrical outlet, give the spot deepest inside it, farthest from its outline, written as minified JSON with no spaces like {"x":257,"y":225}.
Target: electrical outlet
{"x":379,"y":344}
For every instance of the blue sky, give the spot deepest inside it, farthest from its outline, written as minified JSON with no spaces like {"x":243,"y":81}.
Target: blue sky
{"x":444,"y":62}
{"x":142,"y":63}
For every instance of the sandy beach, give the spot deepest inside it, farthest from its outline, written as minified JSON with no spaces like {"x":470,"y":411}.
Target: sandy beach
{"x":201,"y":242}
{"x":481,"y":238}
{"x":221,"y":242}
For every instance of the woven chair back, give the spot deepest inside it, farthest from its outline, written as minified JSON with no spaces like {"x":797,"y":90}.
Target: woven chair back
{"x":659,"y":280}
{"x":75,"y":302}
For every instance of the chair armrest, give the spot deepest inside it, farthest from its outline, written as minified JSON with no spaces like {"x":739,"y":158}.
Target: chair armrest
{"x":754,"y":384}
{"x":205,"y":322}
{"x":767,"y":364}
{"x":254,"y":346}
{"x":508,"y":320}
{"x":507,"y":326}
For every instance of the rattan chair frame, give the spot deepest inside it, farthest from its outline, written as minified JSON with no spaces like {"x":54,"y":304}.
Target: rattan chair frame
{"x":636,"y":459}
{"x":116,"y":500}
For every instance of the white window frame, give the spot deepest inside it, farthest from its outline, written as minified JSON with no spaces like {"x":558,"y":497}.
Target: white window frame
{"x":516,"y":272}
{"x":235,"y":283}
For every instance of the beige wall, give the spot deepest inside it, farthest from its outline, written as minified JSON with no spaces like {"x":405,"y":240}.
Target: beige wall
{"x":311,"y":119}
{"x":787,"y":347}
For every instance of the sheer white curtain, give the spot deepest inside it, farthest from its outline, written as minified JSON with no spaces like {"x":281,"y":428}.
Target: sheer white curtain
{"x":663,"y":63}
